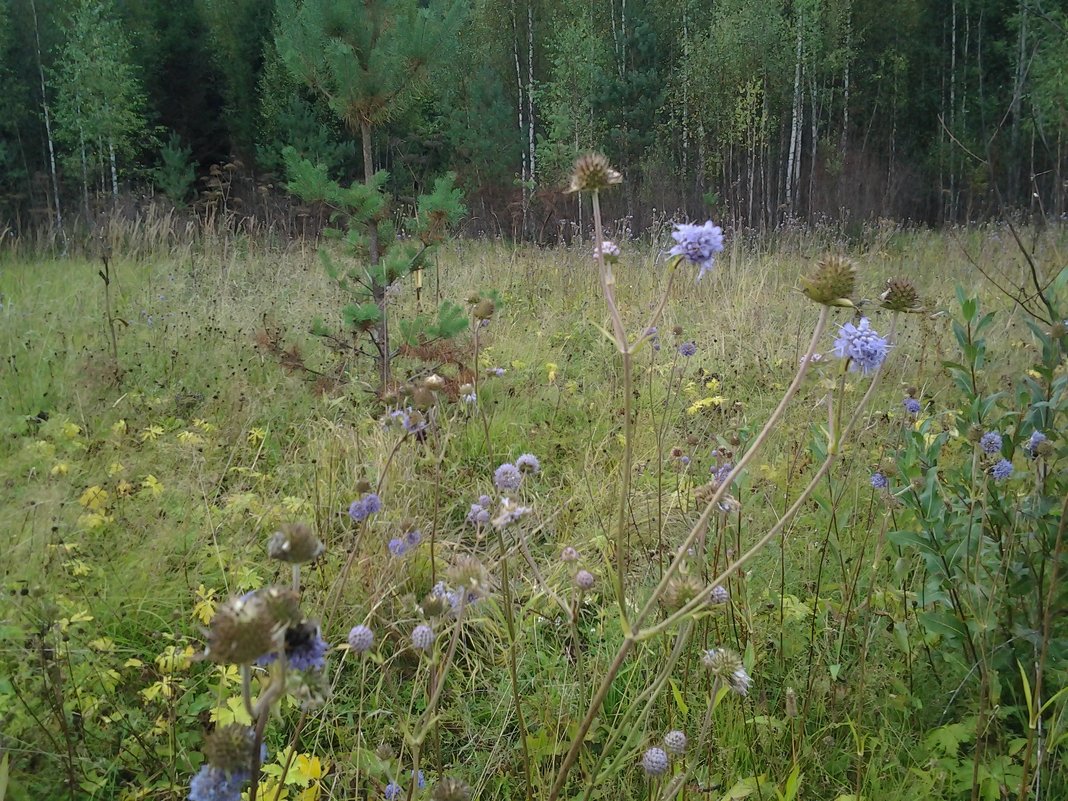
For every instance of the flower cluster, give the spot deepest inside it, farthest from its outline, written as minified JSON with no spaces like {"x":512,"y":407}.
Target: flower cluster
{"x":479,"y":514}
{"x":864,"y":348}
{"x":698,"y":244}
{"x":363,"y":508}
{"x":399,"y":546}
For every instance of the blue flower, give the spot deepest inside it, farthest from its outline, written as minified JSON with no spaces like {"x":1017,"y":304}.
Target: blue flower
{"x":990,"y":442}
{"x":528,"y":463}
{"x":687,"y":349}
{"x":699,"y":244}
{"x":912,"y":406}
{"x":1037,"y":438}
{"x":720,"y":473}
{"x":420,"y":780}
{"x":864,"y":348}
{"x":392,"y":791}
{"x":653,"y":337}
{"x":361,"y":638}
{"x":305,"y":648}
{"x":366,"y":506}
{"x":413,"y":538}
{"x":507,"y":477}
{"x":478,"y":516}
{"x":879,"y":481}
{"x":213,"y":784}
{"x":398,"y":547}
{"x":1002,"y":470}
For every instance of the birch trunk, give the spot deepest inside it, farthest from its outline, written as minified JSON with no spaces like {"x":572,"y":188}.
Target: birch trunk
{"x":48,"y":128}
{"x":794,"y":157}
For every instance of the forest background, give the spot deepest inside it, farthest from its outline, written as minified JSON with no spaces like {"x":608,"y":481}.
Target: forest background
{"x":757,"y":112}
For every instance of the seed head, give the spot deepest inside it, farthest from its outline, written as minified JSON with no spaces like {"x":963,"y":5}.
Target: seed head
{"x":484,"y":309}
{"x":295,"y":543}
{"x":727,"y":666}
{"x":593,"y":173}
{"x":832,"y":282}
{"x":528,"y":463}
{"x":470,"y":576}
{"x":450,"y":789}
{"x":681,"y":589}
{"x":229,"y":748}
{"x":584,"y":580}
{"x":434,"y":382}
{"x":675,"y":742}
{"x":242,"y":631}
{"x":901,"y":295}
{"x":569,"y":554}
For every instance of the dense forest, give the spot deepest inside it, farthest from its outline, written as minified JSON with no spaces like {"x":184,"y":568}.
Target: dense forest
{"x":761,"y":112}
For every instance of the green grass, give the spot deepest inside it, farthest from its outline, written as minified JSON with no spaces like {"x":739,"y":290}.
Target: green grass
{"x":206,"y":445}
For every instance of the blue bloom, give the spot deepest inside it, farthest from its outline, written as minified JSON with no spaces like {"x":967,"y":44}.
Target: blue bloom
{"x":653,"y":337}
{"x":719,"y":474}
{"x":361,"y":638}
{"x":687,"y":349}
{"x":398,"y":547}
{"x":213,"y":784}
{"x":507,"y":477}
{"x":485,"y":501}
{"x":879,"y":481}
{"x":864,"y":348}
{"x":1002,"y":470}
{"x":305,"y":648}
{"x":990,"y":442}
{"x":392,"y":791}
{"x":364,"y":507}
{"x":1037,"y":438}
{"x":528,"y":463}
{"x":420,"y":780}
{"x":413,"y":538}
{"x":698,"y":243}
{"x":720,"y":595}
{"x":912,"y":406}
{"x":478,"y":516}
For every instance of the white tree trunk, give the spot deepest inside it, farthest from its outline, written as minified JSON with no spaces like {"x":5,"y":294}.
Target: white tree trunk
{"x":48,"y":127}
{"x":793,"y":161}
{"x":519,"y":110}
{"x":114,"y":170}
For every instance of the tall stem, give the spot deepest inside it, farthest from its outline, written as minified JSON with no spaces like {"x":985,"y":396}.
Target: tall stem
{"x":378,"y":288}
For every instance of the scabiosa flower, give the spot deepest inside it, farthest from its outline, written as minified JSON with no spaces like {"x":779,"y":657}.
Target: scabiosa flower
{"x":364,"y":507}
{"x":397,"y":546}
{"x":469,"y":398}
{"x":528,"y":463}
{"x":392,"y":792}
{"x":879,"y":481}
{"x":720,"y":595}
{"x":1002,"y":470}
{"x":720,"y":473}
{"x":230,"y":749}
{"x":584,"y":580}
{"x":423,"y":637}
{"x":655,"y":761}
{"x":675,"y":742}
{"x":912,"y":406}
{"x":478,"y":515}
{"x":864,"y":348}
{"x":450,"y":789}
{"x":305,"y":647}
{"x":507,"y":477}
{"x":361,"y":638}
{"x":687,"y":349}
{"x":497,"y":371}
{"x":727,"y":666}
{"x":990,"y":442}
{"x":420,"y":780}
{"x":813,"y":359}
{"x":413,"y":538}
{"x":509,"y":513}
{"x":653,"y":337}
{"x":213,"y":784}
{"x":1033,"y":444}
{"x":609,"y":250}
{"x":698,"y":243}
{"x":569,"y":554}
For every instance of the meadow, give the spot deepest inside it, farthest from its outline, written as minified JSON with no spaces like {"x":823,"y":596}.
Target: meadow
{"x":901,"y":635}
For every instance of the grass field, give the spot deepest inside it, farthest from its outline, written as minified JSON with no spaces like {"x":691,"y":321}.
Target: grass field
{"x":903,"y":643}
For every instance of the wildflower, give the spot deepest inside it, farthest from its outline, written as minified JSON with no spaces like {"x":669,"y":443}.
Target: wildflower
{"x":361,"y":638}
{"x":569,"y":554}
{"x":478,"y":515}
{"x":813,"y":359}
{"x":412,"y":421}
{"x":509,"y":513}
{"x":507,"y":477}
{"x":304,"y":646}
{"x":727,"y":666}
{"x":675,"y":742}
{"x":423,"y":637}
{"x":864,"y":348}
{"x":364,"y":507}
{"x":687,"y":349}
{"x":832,"y":282}
{"x":213,"y":784}
{"x":879,"y":481}
{"x":720,"y":595}
{"x":420,"y":779}
{"x":584,"y":580}
{"x":655,"y":761}
{"x":413,"y":538}
{"x":295,"y":543}
{"x":470,"y":576}
{"x":609,"y":250}
{"x":392,"y":792}
{"x":470,"y":398}
{"x":528,"y":463}
{"x":593,"y":173}
{"x":1034,"y":446}
{"x":497,"y":371}
{"x":653,"y":337}
{"x":698,"y":243}
{"x":450,"y":789}
{"x":397,"y":546}
{"x":720,"y":473}
{"x":912,"y":406}
{"x":990,"y":442}
{"x":1002,"y":470}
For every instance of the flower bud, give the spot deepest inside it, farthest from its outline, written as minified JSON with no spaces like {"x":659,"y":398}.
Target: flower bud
{"x":295,"y":543}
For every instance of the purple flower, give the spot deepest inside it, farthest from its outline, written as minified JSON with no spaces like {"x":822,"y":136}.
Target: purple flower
{"x":720,"y":473}
{"x":864,"y":348}
{"x":528,"y":463}
{"x":990,"y":442}
{"x":699,"y":244}
{"x":507,"y":477}
{"x":509,"y":513}
{"x":309,"y":653}
{"x":366,"y":506}
{"x":687,"y":349}
{"x":413,"y":538}
{"x":610,"y":251}
{"x":422,"y":637}
{"x":1002,"y":470}
{"x":720,"y":595}
{"x":213,"y":784}
{"x":912,"y":406}
{"x":497,"y":371}
{"x":879,"y":481}
{"x":653,"y":337}
{"x":392,"y":792}
{"x":655,"y":761}
{"x":361,"y":638}
{"x":1037,"y":438}
{"x":478,"y":516}
{"x":397,"y":546}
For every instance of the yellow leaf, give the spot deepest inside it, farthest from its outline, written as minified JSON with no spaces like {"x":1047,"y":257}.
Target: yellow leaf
{"x":204,"y":608}
{"x":190,"y":438}
{"x":551,"y":369}
{"x":94,"y":499}
{"x":233,"y":711}
{"x":60,"y":469}
{"x":308,"y":767}
{"x":133,"y":662}
{"x":115,"y":468}
{"x":151,"y":434}
{"x":103,"y":644}
{"x":70,"y":430}
{"x":256,"y":436}
{"x":119,"y":428}
{"x":151,"y":485}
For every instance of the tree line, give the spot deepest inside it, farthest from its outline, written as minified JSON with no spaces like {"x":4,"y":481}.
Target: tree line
{"x":760,"y":112}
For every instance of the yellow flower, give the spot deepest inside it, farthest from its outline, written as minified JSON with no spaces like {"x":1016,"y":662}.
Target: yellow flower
{"x":705,"y":403}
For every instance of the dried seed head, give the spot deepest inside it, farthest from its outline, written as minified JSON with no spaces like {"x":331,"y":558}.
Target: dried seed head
{"x":832,"y":282}
{"x":435,"y":605}
{"x":434,"y":382}
{"x":728,"y":667}
{"x":243,"y":630}
{"x":450,"y":789}
{"x":593,"y":173}
{"x":295,"y":543}
{"x":470,"y":576}
{"x":680,"y":591}
{"x":229,"y":748}
{"x":422,"y":398}
{"x":901,"y":295}
{"x":484,"y":309}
